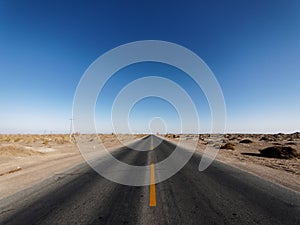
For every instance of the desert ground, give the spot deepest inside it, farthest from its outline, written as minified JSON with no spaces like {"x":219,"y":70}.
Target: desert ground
{"x":28,"y":159}
{"x":275,"y":157}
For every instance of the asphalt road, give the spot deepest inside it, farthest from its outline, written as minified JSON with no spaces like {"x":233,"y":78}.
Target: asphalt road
{"x":219,"y":195}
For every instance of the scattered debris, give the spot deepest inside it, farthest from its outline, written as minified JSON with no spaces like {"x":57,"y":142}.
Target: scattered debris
{"x":11,"y":171}
{"x":229,"y":145}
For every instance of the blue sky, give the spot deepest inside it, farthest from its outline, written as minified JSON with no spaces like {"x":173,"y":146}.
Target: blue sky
{"x":253,"y":48}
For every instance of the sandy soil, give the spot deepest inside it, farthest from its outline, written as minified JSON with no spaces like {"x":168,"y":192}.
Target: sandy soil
{"x":246,"y":156}
{"x":28,"y":159}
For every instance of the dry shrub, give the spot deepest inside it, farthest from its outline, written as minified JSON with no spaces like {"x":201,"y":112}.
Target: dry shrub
{"x":246,"y":141}
{"x":45,"y":141}
{"x":170,"y":135}
{"x":228,"y":146}
{"x":265,"y":139}
{"x":17,"y":139}
{"x":12,"y":150}
{"x":280,"y":152}
{"x":60,"y":140}
{"x":5,"y":139}
{"x":295,"y":135}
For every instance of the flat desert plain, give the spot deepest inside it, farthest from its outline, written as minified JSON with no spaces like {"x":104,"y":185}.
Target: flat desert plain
{"x":26,"y":160}
{"x":275,"y":157}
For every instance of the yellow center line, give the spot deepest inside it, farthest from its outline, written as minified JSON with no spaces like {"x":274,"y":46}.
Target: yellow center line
{"x":152,"y":201}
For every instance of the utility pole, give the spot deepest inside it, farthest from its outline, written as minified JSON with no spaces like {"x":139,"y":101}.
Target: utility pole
{"x":71,"y":129}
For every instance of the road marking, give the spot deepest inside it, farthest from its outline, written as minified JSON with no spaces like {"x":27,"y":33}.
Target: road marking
{"x":152,"y":201}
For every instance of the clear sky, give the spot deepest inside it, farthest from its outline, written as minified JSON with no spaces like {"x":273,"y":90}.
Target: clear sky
{"x":253,"y":48}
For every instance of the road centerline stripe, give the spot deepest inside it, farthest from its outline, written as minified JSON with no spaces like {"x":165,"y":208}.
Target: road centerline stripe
{"x":152,"y":201}
{"x":152,"y":197}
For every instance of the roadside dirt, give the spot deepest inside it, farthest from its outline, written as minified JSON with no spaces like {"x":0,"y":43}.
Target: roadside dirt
{"x":246,"y":156}
{"x":28,"y":159}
